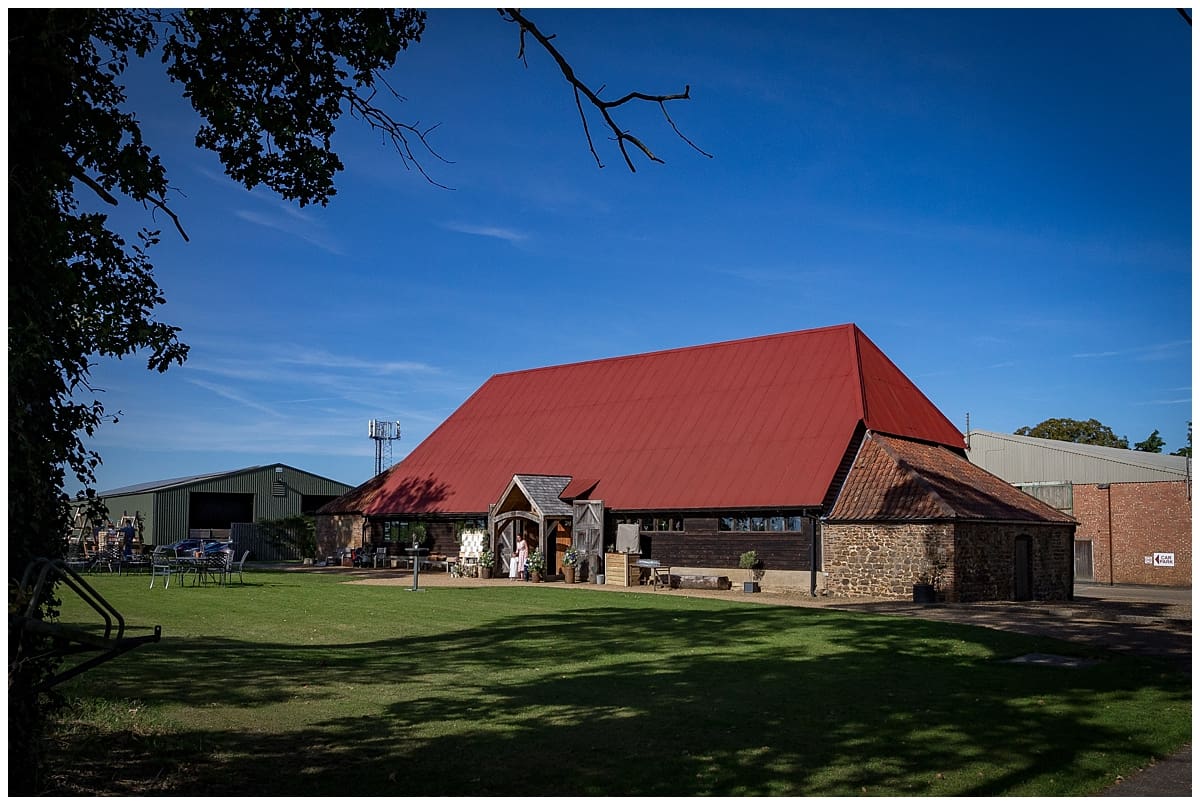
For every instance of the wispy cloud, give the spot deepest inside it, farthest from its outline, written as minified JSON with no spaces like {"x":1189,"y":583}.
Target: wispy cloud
{"x":293,"y":222}
{"x":498,"y":232}
{"x":1151,"y":352}
{"x":230,"y":394}
{"x":328,"y":360}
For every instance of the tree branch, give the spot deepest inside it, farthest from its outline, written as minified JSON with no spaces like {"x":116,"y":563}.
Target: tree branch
{"x":399,"y":133}
{"x":108,"y":198}
{"x":604,"y":107}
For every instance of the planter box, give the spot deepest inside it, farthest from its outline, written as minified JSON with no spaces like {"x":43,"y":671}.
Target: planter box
{"x":751,"y":587}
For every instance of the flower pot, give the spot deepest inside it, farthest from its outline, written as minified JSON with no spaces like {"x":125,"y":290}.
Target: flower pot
{"x":751,"y":587}
{"x":569,"y":575}
{"x":924,"y":594}
{"x":485,"y":572}
{"x":535,"y":576}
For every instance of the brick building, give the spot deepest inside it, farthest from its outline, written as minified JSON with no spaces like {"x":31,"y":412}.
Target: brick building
{"x":691,"y":457}
{"x":1134,"y":509}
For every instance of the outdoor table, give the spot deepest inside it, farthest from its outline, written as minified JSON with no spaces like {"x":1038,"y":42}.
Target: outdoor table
{"x":660,"y":574}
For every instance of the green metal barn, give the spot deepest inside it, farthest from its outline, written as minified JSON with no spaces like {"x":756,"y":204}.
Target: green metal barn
{"x":174,"y":509}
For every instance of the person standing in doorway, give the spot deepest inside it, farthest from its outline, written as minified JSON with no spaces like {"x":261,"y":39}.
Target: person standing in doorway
{"x":523,"y":557}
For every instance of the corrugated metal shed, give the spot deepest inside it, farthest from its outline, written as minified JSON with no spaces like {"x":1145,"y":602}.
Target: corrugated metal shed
{"x":1025,"y":459}
{"x":753,"y":423}
{"x":277,"y":490}
{"x":902,"y":480}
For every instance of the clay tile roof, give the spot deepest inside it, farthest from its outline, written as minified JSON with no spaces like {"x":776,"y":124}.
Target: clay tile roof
{"x":902,"y":479}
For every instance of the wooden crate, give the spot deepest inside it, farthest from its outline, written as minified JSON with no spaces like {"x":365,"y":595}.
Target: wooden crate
{"x":621,"y":569}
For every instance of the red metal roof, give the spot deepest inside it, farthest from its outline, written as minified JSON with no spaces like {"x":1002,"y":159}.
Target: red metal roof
{"x":762,"y":422}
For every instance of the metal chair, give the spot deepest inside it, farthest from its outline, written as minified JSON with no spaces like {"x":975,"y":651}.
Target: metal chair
{"x":236,"y":567}
{"x":162,"y":565}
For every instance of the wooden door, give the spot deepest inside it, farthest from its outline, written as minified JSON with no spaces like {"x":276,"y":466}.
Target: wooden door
{"x":588,"y":534}
{"x":1023,"y":568}
{"x":562,"y":541}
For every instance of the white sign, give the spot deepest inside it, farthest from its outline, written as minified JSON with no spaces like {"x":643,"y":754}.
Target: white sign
{"x":1148,"y":560}
{"x":1164,"y":560}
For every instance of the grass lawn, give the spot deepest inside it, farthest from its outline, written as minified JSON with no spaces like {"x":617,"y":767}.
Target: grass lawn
{"x":301,"y":684}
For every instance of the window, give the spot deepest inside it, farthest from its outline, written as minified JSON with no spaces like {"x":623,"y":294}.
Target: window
{"x":661,"y":522}
{"x":393,"y":529}
{"x":778,"y":522}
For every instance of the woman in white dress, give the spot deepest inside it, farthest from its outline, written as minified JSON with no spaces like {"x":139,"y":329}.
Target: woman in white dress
{"x":522,"y":557}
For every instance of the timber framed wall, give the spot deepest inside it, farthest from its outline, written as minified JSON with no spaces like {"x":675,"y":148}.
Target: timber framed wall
{"x":702,"y":543}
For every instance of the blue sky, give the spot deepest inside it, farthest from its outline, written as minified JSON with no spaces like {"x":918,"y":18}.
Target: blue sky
{"x":1000,"y":200}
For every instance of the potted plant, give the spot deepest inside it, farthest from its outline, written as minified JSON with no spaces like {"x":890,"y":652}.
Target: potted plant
{"x":926,"y":587}
{"x":537,"y":565}
{"x":750,"y":562}
{"x":487,"y":563}
{"x":570,"y":562}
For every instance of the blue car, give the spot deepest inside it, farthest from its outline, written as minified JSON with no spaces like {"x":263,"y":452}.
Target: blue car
{"x":188,"y":546}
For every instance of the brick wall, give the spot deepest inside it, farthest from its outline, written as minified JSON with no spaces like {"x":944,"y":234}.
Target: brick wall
{"x":1146,"y":518}
{"x":336,"y":531}
{"x":881,"y":559}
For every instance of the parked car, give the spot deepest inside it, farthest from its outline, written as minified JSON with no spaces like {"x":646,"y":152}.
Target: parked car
{"x":189,"y":546}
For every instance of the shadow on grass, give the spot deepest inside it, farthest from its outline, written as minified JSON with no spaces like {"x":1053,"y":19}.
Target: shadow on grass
{"x":640,"y":698}
{"x":1141,"y":628}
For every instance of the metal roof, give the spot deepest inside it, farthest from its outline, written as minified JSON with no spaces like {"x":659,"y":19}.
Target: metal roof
{"x":751,"y":423}
{"x":1026,"y":459}
{"x":171,"y":483}
{"x":903,"y":480}
{"x":155,"y":486}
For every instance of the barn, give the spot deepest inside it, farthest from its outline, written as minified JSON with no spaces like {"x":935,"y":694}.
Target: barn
{"x":169,"y":510}
{"x":691,"y":457}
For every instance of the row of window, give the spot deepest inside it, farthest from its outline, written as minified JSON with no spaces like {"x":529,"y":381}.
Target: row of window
{"x":400,"y":530}
{"x":666,"y":523}
{"x":730,"y":522}
{"x":756,"y":522}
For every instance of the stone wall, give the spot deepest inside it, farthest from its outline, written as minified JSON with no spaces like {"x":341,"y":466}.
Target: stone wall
{"x":977,"y":559}
{"x":984,"y":561}
{"x":884,"y":559}
{"x":1137,"y":520}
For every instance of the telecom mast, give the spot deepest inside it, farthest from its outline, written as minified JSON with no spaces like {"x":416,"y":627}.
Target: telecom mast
{"x":383,"y":433}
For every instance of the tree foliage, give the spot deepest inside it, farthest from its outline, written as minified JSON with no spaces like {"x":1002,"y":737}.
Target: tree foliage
{"x":1075,"y":430}
{"x":297,"y":532}
{"x":269,"y":87}
{"x":1186,"y":450}
{"x":1151,"y":444}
